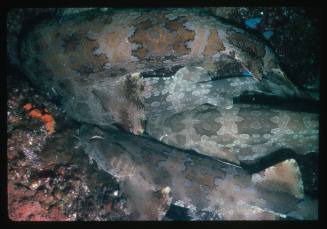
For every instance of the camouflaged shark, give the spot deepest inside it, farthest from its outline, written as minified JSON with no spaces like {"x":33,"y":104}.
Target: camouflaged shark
{"x":103,"y":66}
{"x":244,"y":133}
{"x":190,"y":111}
{"x":174,"y":73}
{"x":154,"y":177}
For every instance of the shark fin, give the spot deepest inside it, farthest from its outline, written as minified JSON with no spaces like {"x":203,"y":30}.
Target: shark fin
{"x":283,"y":177}
{"x":276,"y":83}
{"x":146,"y":204}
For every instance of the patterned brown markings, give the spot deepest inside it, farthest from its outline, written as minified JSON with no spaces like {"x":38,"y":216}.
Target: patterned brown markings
{"x":64,"y":54}
{"x":113,"y":45}
{"x":183,"y":35}
{"x":214,"y":44}
{"x":120,"y":51}
{"x":140,"y":38}
{"x":86,"y":61}
{"x":161,"y":38}
{"x":78,"y":51}
{"x":156,"y":40}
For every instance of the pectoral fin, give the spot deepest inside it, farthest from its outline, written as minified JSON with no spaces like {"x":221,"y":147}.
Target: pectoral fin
{"x":283,"y":177}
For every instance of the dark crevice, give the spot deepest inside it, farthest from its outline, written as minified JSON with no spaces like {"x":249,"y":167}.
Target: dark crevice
{"x":178,"y":213}
{"x":161,"y":72}
{"x":291,"y":104}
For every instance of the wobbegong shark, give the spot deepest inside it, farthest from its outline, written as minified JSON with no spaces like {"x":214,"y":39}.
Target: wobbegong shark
{"x":172,"y":75}
{"x":103,"y":66}
{"x":191,"y":112}
{"x":154,"y":176}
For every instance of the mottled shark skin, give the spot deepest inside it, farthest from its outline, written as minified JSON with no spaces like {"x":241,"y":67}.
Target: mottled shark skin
{"x":191,"y":111}
{"x":87,"y":60}
{"x":153,"y":175}
{"x":240,"y":133}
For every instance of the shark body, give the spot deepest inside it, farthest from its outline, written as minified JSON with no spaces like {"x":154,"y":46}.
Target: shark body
{"x":87,"y":61}
{"x":190,"y":111}
{"x":153,"y":176}
{"x":174,"y":73}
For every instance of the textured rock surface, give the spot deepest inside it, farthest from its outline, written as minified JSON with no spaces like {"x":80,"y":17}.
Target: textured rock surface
{"x":49,"y":176}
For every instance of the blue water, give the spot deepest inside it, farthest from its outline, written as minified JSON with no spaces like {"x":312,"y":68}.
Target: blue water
{"x":252,"y":22}
{"x":267,"y":34}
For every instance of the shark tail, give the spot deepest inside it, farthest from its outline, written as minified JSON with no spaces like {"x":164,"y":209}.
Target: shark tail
{"x":283,"y":177}
{"x":292,"y":203}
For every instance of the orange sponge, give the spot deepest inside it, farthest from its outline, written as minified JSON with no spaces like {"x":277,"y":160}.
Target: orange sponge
{"x":28,"y":106}
{"x":47,"y":119}
{"x":49,"y":123}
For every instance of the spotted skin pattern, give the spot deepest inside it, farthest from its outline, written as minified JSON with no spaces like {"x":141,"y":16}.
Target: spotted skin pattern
{"x":178,"y":70}
{"x":198,"y":183}
{"x":191,"y":112}
{"x":74,"y":56}
{"x":241,"y":133}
